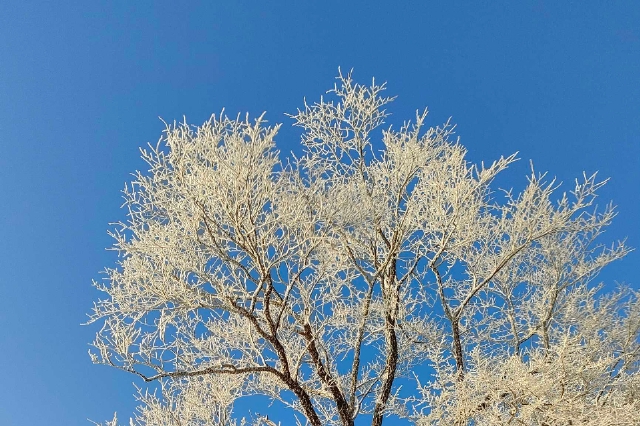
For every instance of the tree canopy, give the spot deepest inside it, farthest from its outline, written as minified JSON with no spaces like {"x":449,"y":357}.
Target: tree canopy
{"x":377,"y":256}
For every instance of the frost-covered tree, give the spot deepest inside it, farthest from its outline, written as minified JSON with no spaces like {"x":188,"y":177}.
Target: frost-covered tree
{"x":323,"y":280}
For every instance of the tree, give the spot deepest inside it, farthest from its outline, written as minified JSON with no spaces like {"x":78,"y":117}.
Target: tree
{"x":322,"y":281}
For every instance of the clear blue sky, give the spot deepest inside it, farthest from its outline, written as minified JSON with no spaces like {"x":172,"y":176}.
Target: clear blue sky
{"x":82,"y":85}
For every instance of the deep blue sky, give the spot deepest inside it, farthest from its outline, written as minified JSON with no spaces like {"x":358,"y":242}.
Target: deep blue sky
{"x":82,"y":85}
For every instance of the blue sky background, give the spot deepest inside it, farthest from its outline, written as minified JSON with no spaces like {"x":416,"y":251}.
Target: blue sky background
{"x":82,"y":85}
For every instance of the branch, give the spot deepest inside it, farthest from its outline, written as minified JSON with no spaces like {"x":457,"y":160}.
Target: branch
{"x":344,"y":410}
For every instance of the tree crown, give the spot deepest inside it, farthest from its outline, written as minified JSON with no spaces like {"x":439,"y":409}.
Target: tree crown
{"x":323,"y":280}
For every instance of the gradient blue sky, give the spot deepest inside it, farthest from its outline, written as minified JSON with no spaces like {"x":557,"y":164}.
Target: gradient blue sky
{"x":82,"y":85}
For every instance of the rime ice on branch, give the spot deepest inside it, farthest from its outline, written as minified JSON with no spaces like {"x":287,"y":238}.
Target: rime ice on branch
{"x":322,"y":280}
